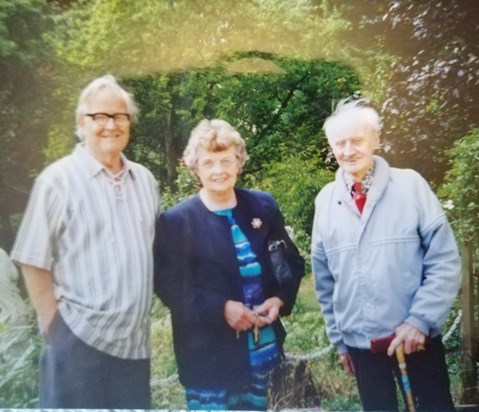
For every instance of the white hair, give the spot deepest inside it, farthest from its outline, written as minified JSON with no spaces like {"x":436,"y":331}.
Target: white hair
{"x":101,"y":83}
{"x":352,"y":117}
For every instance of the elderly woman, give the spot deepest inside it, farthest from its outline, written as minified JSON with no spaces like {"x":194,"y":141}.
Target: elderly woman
{"x":213,"y":271}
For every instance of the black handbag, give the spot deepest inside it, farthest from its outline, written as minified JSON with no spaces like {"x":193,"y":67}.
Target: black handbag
{"x":278,"y":252}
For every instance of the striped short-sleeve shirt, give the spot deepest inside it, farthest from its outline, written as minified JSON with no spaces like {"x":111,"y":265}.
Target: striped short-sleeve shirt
{"x":94,"y":232}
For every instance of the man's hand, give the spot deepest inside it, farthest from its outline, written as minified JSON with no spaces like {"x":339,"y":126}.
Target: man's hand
{"x":412,"y":337}
{"x":347,"y":363}
{"x":239,"y":317}
{"x":39,"y":284}
{"x":269,"y":310}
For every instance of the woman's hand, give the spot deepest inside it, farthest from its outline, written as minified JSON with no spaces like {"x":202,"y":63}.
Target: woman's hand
{"x":268,"y":311}
{"x":239,"y":317}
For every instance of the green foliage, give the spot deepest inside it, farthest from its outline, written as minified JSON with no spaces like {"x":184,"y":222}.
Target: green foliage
{"x":141,"y":37}
{"x":306,"y":332}
{"x":461,"y":186}
{"x":295,"y":180}
{"x":272,"y":86}
{"x":16,"y":18}
{"x":25,"y":69}
{"x":185,"y":187}
{"x":279,"y":115}
{"x":454,"y":351}
{"x":19,"y":350}
{"x":59,"y":144}
{"x":167,"y":392}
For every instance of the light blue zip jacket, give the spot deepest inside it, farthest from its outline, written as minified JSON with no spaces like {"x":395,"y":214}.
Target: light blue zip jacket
{"x":397,"y":262}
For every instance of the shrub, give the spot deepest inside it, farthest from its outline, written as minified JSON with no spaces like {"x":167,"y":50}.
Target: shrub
{"x":461,"y":186}
{"x":19,"y":346}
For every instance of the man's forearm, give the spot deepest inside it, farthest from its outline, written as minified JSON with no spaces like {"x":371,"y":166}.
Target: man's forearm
{"x":39,"y":284}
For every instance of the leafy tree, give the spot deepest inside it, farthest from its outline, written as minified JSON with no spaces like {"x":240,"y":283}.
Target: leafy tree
{"x":435,"y":87}
{"x":461,"y":186}
{"x":459,"y":193}
{"x":278,"y":114}
{"x":428,"y":56}
{"x":162,"y":42}
{"x":140,"y":37}
{"x":417,"y":60}
{"x":25,"y":71}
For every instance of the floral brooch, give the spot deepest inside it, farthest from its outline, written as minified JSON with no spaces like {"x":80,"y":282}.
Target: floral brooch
{"x":256,"y":223}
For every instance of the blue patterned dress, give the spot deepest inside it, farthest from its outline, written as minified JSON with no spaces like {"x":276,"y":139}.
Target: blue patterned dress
{"x":264,"y":354}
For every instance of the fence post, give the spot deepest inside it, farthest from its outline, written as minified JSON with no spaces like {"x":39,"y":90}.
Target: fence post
{"x":469,"y":327}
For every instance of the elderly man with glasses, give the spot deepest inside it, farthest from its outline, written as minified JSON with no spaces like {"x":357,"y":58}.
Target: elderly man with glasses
{"x":84,"y":247}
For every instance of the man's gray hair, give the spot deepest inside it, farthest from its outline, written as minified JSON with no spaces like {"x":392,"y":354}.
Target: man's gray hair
{"x":101,"y":83}
{"x":352,"y":116}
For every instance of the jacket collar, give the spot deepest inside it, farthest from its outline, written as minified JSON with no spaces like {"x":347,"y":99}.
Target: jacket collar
{"x":382,"y":175}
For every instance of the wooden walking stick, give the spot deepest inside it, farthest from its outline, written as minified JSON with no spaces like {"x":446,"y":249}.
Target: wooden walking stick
{"x":404,"y":377}
{"x":380,"y":345}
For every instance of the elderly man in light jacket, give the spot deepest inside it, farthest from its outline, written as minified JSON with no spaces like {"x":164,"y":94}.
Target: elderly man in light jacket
{"x":385,"y":264}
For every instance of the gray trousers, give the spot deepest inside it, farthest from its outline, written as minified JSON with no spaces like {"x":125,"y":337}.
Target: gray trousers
{"x":76,"y":375}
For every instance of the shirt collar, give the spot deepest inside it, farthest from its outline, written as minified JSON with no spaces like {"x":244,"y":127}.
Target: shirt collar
{"x":366,"y":182}
{"x":94,"y":167}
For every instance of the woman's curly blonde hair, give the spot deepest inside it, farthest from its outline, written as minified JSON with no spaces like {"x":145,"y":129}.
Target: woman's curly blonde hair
{"x":215,"y":136}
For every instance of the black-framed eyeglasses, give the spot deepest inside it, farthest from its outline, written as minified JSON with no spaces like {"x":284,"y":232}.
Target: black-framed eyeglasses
{"x":101,"y":119}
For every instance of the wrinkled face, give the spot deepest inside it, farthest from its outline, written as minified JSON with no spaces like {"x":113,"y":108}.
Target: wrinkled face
{"x":105,"y":140}
{"x":354,"y":153}
{"x":217,"y":171}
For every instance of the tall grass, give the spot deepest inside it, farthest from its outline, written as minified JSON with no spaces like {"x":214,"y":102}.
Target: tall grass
{"x":19,"y":342}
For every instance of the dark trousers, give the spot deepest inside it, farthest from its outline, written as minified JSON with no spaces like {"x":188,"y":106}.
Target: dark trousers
{"x":75,"y":375}
{"x":427,"y":372}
